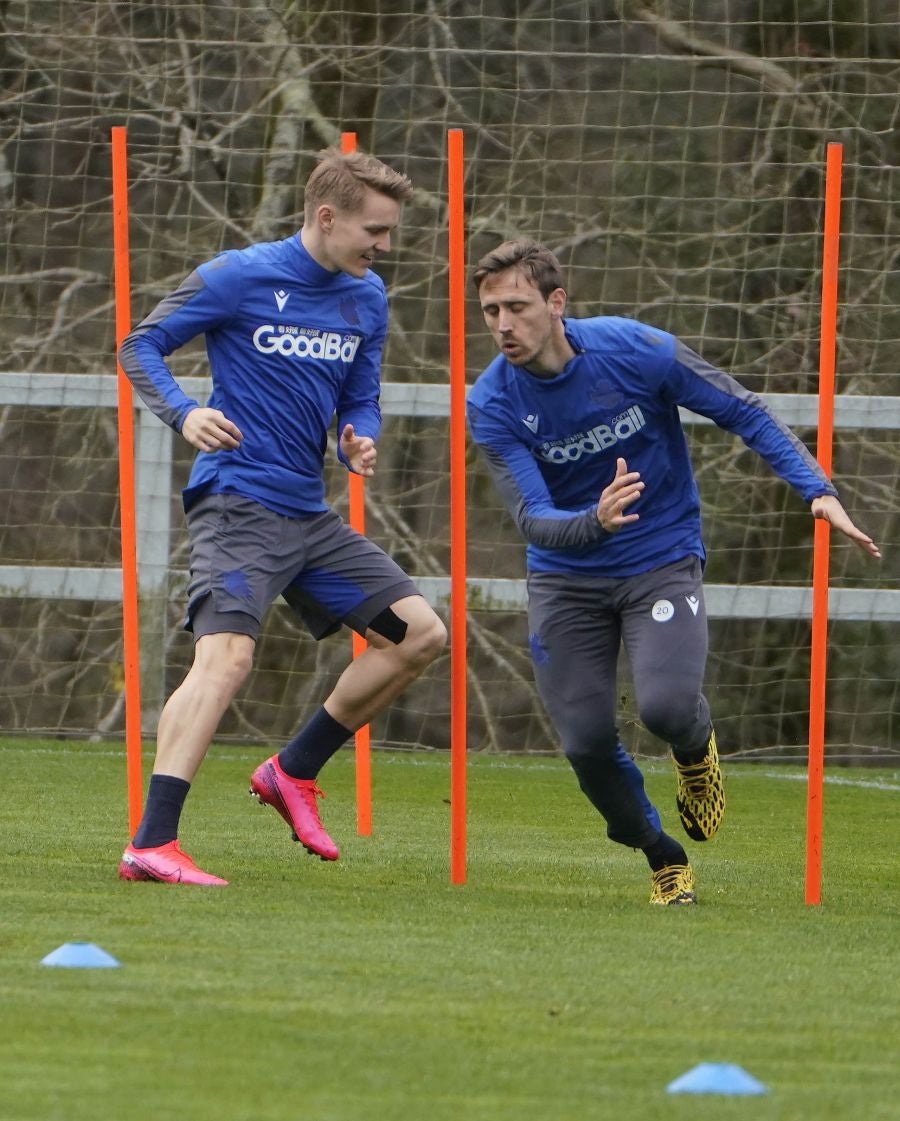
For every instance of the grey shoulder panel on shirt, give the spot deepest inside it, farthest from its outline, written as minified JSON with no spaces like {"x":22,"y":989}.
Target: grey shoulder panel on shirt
{"x":725,"y":383}
{"x":130,"y":360}
{"x":714,"y":376}
{"x":188,"y":288}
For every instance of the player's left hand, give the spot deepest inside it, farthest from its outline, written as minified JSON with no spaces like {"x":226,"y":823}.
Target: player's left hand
{"x":827,"y":507}
{"x":359,"y":451}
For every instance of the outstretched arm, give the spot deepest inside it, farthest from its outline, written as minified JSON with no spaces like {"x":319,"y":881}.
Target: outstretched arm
{"x":692,"y":382}
{"x":828,"y":508}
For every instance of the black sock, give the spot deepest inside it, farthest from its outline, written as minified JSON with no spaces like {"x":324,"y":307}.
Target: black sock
{"x":665,"y":850}
{"x":691,"y":756}
{"x":308,"y":752}
{"x":165,"y":800}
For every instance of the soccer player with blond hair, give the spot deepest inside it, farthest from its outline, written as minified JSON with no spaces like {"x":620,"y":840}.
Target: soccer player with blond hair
{"x":294,"y":335}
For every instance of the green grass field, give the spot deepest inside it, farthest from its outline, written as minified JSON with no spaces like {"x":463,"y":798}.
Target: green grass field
{"x":374,"y":990}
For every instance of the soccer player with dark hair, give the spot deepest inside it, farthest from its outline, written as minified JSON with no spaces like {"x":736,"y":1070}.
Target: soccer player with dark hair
{"x":578,"y":422}
{"x":294,"y":334}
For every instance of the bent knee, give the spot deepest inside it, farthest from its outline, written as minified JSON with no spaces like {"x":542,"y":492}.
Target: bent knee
{"x":426,"y":639}
{"x":436,"y":638}
{"x":412,"y":628}
{"x":587,"y":750}
{"x":670,"y":720}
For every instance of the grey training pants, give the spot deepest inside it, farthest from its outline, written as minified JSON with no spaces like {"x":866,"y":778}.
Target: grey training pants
{"x":577,"y":624}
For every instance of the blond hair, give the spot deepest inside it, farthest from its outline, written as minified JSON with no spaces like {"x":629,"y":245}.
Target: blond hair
{"x":342,"y":178}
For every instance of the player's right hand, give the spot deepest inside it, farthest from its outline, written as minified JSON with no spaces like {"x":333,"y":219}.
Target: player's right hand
{"x":625,"y":489}
{"x":210,"y":430}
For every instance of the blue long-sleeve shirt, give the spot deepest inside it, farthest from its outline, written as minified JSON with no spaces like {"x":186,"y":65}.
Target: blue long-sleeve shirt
{"x":289,"y":345}
{"x":551,"y":445}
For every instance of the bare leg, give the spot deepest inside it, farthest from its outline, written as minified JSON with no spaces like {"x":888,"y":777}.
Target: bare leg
{"x":192,"y":713}
{"x":372,"y":680}
{"x":367,"y":686}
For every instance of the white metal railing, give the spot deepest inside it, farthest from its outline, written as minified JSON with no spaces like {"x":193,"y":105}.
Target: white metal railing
{"x":153,"y":459}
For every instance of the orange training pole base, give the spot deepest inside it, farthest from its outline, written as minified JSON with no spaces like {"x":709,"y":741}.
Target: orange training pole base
{"x":130,"y":633}
{"x":457,"y":282}
{"x":819,"y":639}
{"x":356,"y":494}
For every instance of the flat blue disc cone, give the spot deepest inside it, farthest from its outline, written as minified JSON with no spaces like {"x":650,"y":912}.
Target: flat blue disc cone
{"x":80,"y":955}
{"x":716,"y":1078}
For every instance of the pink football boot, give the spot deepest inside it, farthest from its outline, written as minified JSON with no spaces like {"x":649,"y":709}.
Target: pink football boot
{"x":166,"y":864}
{"x":295,"y":800}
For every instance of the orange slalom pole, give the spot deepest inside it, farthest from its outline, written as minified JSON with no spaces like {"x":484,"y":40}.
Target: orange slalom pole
{"x":357,"y":516}
{"x":457,"y":284}
{"x":819,"y":639}
{"x":130,"y":631}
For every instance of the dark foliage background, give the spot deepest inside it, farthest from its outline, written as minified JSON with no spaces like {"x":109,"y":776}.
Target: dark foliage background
{"x":672,"y":153}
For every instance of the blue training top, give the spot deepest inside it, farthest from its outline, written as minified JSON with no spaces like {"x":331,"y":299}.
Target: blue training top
{"x":551,"y":445}
{"x":289,"y":344}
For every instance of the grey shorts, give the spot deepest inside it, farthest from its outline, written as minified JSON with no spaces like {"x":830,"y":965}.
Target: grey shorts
{"x":243,"y":556}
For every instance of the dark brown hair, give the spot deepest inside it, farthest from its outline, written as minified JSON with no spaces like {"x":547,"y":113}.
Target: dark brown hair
{"x":534,"y":259}
{"x":341,"y":179}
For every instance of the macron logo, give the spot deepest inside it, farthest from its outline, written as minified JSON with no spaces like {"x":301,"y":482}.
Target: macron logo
{"x":598,"y":439}
{"x":531,"y":421}
{"x":281,"y":298}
